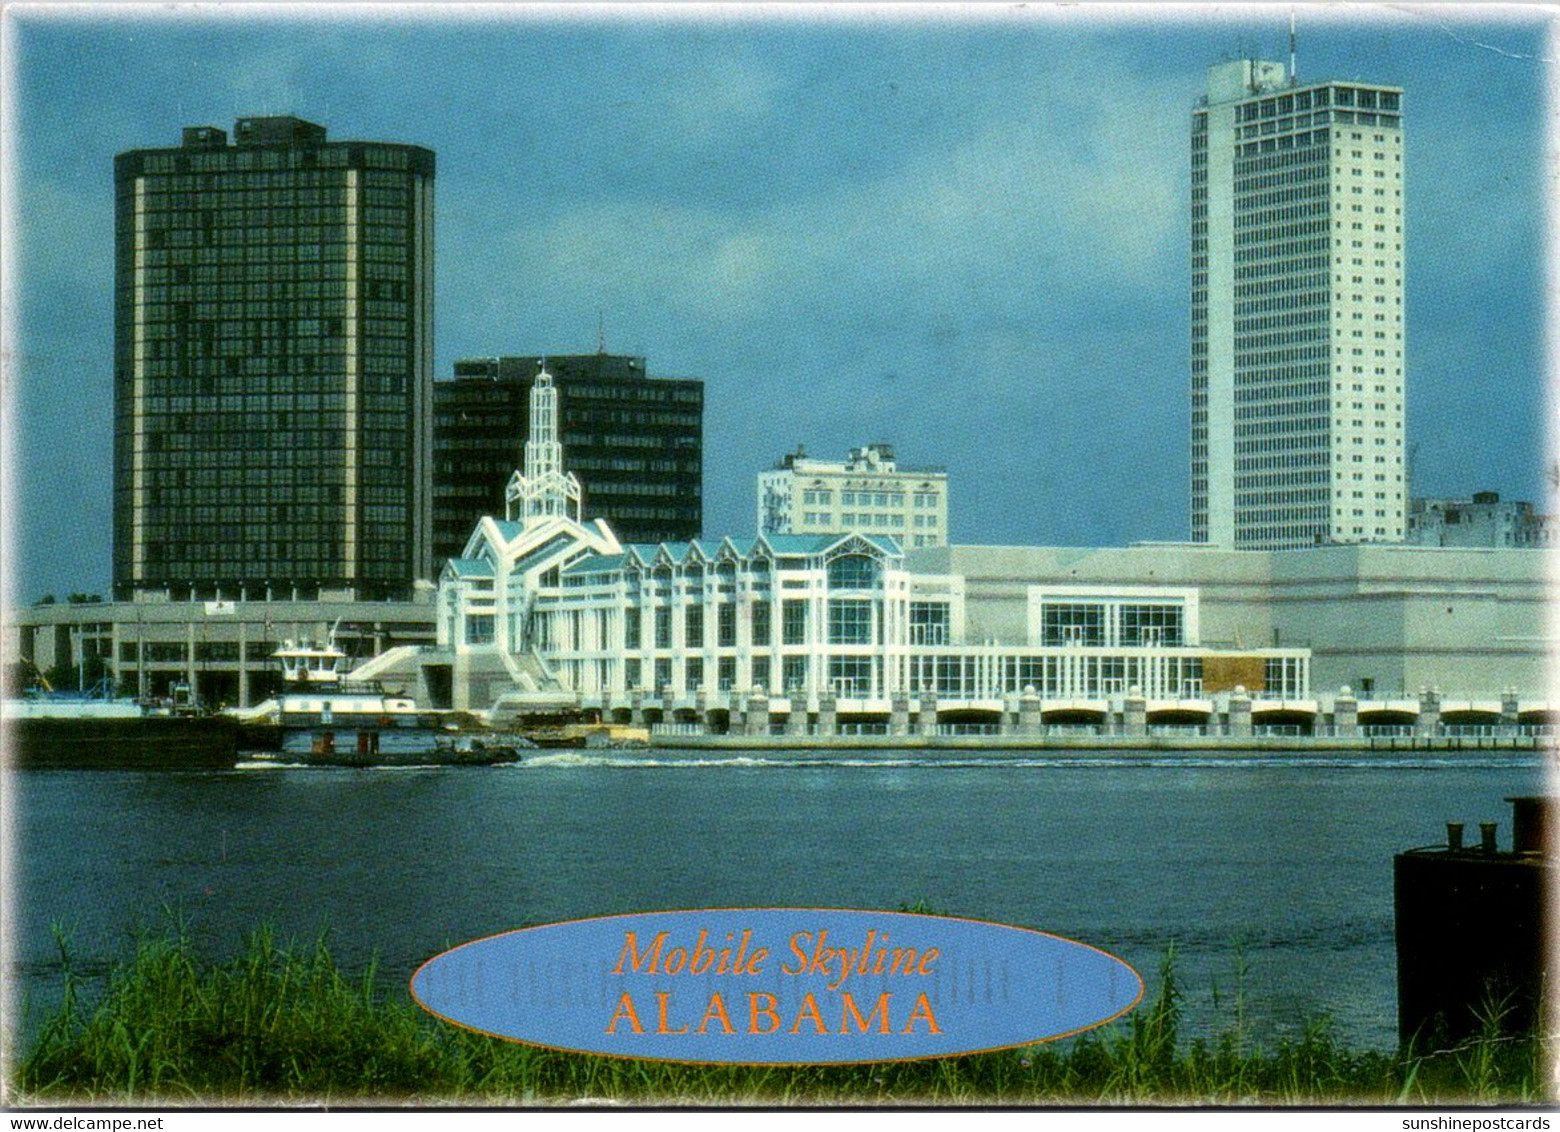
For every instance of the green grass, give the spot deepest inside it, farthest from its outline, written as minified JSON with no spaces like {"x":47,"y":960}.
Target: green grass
{"x":285,"y":1024}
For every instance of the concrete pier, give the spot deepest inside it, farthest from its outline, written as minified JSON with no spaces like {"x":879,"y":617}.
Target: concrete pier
{"x":1029,"y":718}
{"x":1346,"y":715}
{"x":1134,"y":714}
{"x":757,"y":719}
{"x":828,"y":719}
{"x":1429,"y":712}
{"x":926,"y":715}
{"x":1239,"y":717}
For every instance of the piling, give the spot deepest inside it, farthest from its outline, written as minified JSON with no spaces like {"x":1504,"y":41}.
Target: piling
{"x":926,"y":714}
{"x":1470,"y":937}
{"x":757,"y":718}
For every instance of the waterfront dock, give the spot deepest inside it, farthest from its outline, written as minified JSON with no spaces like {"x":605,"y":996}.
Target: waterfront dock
{"x":1183,"y":743}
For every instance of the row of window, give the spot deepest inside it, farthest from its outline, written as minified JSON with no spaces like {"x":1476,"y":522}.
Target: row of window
{"x":1263,"y":481}
{"x":956,"y":677}
{"x":1288,"y":443}
{"x":265,"y":164}
{"x":225,"y":169}
{"x":1248,"y":416}
{"x":280,"y":198}
{"x":1265,"y":386}
{"x":179,"y":226}
{"x":1364,"y":98}
{"x":312,"y":441}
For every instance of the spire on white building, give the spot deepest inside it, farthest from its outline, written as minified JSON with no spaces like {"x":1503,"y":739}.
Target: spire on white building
{"x":543,"y":489}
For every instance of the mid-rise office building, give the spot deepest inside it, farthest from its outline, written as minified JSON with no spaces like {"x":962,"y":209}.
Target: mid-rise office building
{"x":635,"y":443}
{"x":273,"y":359}
{"x":1484,"y":520}
{"x":867,"y":492}
{"x":1297,"y":311}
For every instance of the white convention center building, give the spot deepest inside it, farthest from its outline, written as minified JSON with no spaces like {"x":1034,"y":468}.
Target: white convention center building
{"x":799,"y":632}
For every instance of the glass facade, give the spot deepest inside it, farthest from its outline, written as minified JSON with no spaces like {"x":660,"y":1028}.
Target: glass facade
{"x":843,"y":617}
{"x":1069,"y":623}
{"x":272,"y":364}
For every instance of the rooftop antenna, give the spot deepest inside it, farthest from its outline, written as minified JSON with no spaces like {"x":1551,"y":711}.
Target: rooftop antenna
{"x":601,"y":333}
{"x":1291,"y":45}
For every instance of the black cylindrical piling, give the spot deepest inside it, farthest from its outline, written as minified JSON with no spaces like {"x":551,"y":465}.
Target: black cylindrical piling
{"x":1529,"y":829}
{"x":1470,"y":932}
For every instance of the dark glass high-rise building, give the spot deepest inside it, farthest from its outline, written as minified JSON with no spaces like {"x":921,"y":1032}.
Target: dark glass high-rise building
{"x":273,"y":362}
{"x":634,"y":442}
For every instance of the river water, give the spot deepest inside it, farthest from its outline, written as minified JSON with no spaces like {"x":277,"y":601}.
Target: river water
{"x":1270,"y":877}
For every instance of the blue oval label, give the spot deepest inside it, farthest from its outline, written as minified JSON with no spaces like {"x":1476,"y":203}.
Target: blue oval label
{"x":777,"y":986}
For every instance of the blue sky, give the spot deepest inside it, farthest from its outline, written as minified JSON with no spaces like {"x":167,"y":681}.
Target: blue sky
{"x":961,"y":230}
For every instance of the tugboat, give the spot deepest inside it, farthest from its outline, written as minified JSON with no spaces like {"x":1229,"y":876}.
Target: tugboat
{"x":365,"y":751}
{"x":314,"y":692}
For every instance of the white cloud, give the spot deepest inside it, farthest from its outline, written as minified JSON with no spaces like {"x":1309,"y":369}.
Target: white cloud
{"x":1081,"y":190}
{"x":719,"y":100}
{"x":690,"y":260}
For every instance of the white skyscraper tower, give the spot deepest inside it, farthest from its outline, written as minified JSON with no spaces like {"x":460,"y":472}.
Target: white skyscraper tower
{"x":1297,"y":311}
{"x":543,"y":489}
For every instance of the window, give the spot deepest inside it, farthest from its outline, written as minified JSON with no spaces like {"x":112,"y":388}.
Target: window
{"x":795,"y":672}
{"x":1150,"y":625}
{"x":761,"y":672}
{"x":850,"y":622}
{"x":726,"y":625}
{"x":631,"y":629}
{"x":853,"y":572}
{"x":949,"y":676}
{"x":693,"y":626}
{"x":928,"y":623}
{"x":663,"y":627}
{"x":851,"y":676}
{"x":794,"y":622}
{"x":761,"y":623}
{"x":479,"y":628}
{"x":1063,"y":623}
